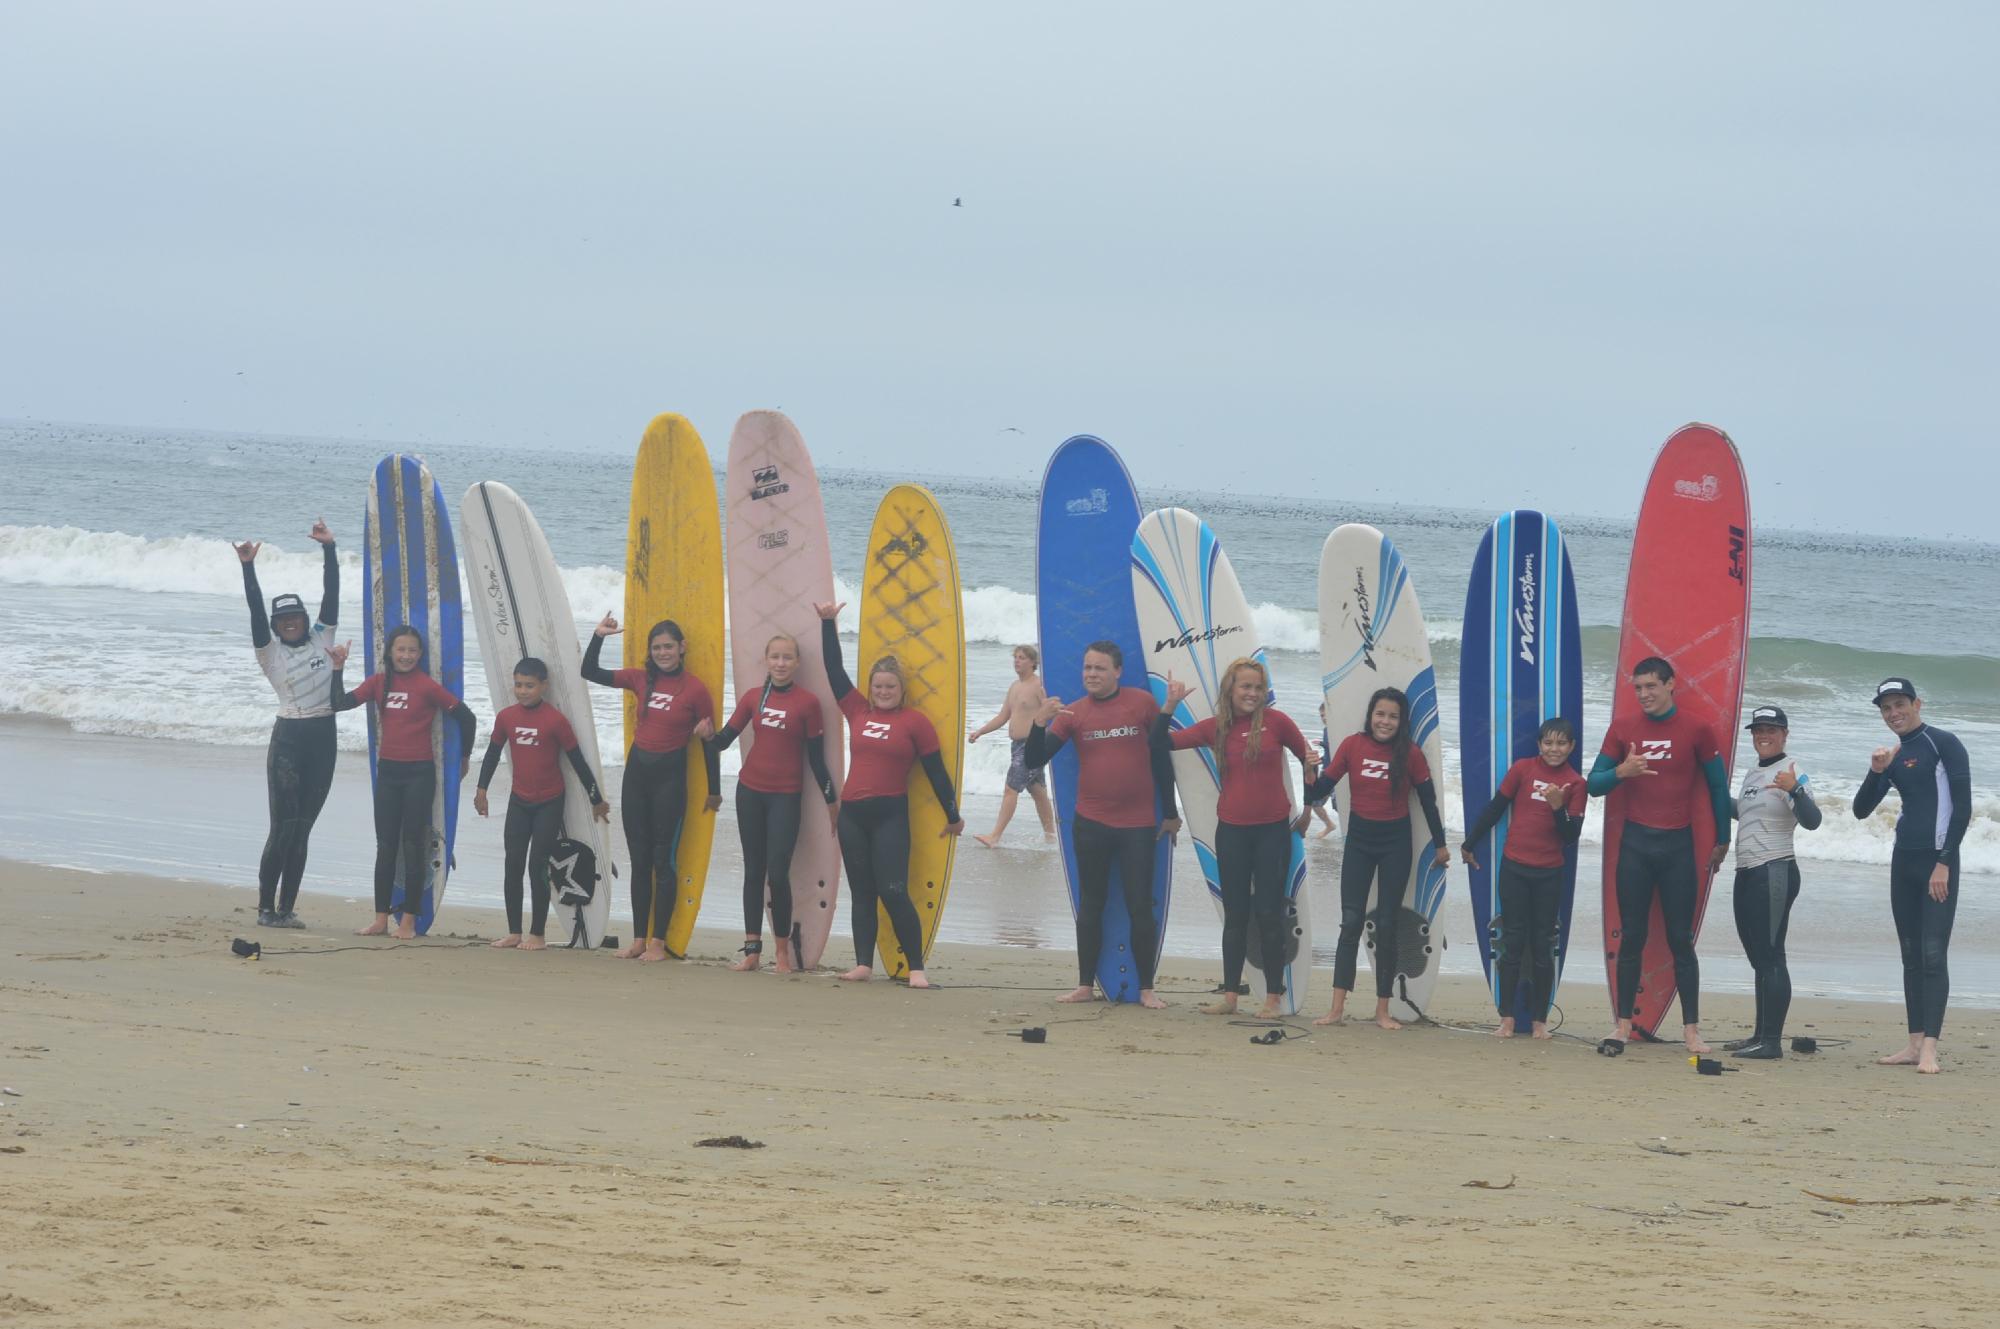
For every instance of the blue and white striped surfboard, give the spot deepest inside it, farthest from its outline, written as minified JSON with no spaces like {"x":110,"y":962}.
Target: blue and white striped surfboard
{"x":1083,"y":580}
{"x":1521,"y":663}
{"x":1194,"y":621}
{"x":410,"y":575}
{"x":1371,"y":636}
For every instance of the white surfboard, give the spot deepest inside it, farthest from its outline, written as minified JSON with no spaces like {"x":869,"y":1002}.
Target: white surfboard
{"x":521,"y":609}
{"x":1371,"y":635}
{"x":1193,"y":622}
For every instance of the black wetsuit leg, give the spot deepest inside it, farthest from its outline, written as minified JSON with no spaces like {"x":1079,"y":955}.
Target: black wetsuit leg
{"x":404,"y":792}
{"x":1265,"y":860}
{"x":1653,"y":861}
{"x":653,"y":804}
{"x":1132,"y":852}
{"x":1923,"y":930}
{"x":875,"y":845}
{"x":1762,"y":899}
{"x":298,"y":771}
{"x":530,"y":838}
{"x":1234,"y":862}
{"x":769,"y":826}
{"x":1530,"y":904}
{"x":1374,"y":851}
{"x":1129,"y":850}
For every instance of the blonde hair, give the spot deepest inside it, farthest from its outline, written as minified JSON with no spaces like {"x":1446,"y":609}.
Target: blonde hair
{"x":784,"y":636}
{"x":888,"y":664}
{"x":1034,"y":655}
{"x":1225,"y":712}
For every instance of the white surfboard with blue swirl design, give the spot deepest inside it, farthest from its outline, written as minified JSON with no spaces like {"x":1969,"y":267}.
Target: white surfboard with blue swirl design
{"x":1371,"y":635}
{"x":1193,"y":622}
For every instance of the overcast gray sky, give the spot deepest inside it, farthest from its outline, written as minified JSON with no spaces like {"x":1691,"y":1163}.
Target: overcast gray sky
{"x":1472,"y":254}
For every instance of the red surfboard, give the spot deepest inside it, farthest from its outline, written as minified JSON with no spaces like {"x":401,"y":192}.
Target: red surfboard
{"x":1687,"y":600}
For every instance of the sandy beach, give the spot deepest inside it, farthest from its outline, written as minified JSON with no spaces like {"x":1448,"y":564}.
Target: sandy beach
{"x":441,"y":1134}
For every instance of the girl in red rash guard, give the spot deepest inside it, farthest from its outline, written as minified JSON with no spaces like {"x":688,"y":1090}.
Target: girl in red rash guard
{"x":1382,"y":768}
{"x":674,"y":710}
{"x":790,"y":730}
{"x":1254,"y":817}
{"x":406,"y":702}
{"x":884,"y":741}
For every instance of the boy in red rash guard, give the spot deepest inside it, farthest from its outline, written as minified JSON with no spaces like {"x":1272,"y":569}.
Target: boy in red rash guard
{"x":1547,"y":799}
{"x":790,"y":734}
{"x":674,"y":710}
{"x":1254,"y":817}
{"x":1120,"y":774}
{"x":1383,"y":768}
{"x":406,"y":700}
{"x":884,"y":739}
{"x":1663,"y":758}
{"x":536,"y":732}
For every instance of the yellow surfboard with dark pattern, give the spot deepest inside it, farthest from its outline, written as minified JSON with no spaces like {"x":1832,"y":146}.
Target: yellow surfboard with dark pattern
{"x":910,"y":608}
{"x":673,"y":569}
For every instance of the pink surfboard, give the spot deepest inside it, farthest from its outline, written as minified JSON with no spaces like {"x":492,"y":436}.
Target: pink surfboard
{"x":779,"y":566}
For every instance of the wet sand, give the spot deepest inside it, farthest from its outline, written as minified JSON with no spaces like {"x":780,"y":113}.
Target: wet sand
{"x":441,"y":1134}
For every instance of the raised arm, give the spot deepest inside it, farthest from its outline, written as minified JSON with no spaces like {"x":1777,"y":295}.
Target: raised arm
{"x":829,"y":649}
{"x":593,"y":653}
{"x":260,"y":626}
{"x":329,"y":603}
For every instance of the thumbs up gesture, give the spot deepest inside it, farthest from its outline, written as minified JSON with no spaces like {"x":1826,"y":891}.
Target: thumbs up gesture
{"x":1787,"y":779}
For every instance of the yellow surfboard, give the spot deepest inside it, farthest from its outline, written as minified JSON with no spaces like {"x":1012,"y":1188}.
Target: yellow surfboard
{"x":673,"y":569}
{"x":910,"y":609}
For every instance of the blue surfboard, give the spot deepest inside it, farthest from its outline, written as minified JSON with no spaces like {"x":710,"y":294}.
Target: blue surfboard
{"x":410,"y":576}
{"x":1083,"y":584}
{"x":1520,"y":663}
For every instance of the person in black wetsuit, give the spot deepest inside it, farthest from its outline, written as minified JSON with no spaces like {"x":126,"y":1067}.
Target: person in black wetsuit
{"x":292,"y":651}
{"x":404,"y":701}
{"x":885,"y":738}
{"x":1931,"y":774}
{"x":1774,"y":803}
{"x":674,"y":710}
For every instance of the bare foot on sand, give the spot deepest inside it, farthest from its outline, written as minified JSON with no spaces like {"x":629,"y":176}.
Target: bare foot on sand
{"x":379,"y":928}
{"x":750,"y":960}
{"x":656,"y":951}
{"x":1270,"y":1009}
{"x":1384,"y":1020}
{"x":1909,"y":1056}
{"x":1337,"y":1013}
{"x":988,"y":840}
{"x":508,"y":942}
{"x":1542,"y":1029}
{"x":408,"y":930}
{"x":632,"y":952}
{"x":1694,"y":1043}
{"x":1506,"y":1029}
{"x":917,"y":979}
{"x":533,"y":944}
{"x":1150,"y":1000}
{"x":1927,"y":1063}
{"x":1079,"y":993}
{"x":860,"y":973}
{"x":1226,"y":1006}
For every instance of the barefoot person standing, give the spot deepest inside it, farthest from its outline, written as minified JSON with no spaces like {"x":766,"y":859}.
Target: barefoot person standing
{"x":884,"y":739}
{"x":292,"y":651}
{"x":1123,"y":782}
{"x":1383,"y":770}
{"x":1254,"y":817}
{"x":1024,"y":698}
{"x":1547,"y":798}
{"x":1773,"y":805}
{"x":1930,"y":772}
{"x":1664,"y":757}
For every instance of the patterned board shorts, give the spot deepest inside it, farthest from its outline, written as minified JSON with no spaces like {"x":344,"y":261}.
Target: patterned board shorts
{"x":1019,"y":777}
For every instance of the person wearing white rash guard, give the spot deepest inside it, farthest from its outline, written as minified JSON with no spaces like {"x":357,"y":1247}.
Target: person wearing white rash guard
{"x":292,"y":651}
{"x":1774,"y":803}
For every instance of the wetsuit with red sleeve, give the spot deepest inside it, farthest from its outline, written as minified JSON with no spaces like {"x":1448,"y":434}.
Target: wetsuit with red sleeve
{"x":1253,"y":835}
{"x":789,"y":730}
{"x":1377,"y":847}
{"x":537,"y":737}
{"x":1124,"y":783}
{"x":404,"y":707}
{"x":1529,"y":879}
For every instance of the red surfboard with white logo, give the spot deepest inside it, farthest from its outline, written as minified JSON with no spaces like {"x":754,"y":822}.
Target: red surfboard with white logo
{"x":1687,"y":600}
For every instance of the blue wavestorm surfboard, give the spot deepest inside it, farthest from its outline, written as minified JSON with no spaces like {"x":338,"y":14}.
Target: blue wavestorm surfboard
{"x":1521,"y":663}
{"x":410,"y":576}
{"x":1083,"y":582}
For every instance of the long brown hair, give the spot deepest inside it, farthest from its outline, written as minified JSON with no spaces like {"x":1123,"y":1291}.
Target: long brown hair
{"x":1226,"y":716}
{"x":1399,"y":746}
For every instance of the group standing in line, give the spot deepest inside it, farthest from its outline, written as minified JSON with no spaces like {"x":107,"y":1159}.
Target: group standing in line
{"x":1666,"y":759}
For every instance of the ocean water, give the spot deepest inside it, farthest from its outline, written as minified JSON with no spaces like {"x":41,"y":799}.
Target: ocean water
{"x":121,"y":608}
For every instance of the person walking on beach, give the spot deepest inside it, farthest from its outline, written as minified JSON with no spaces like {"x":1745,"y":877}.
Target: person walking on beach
{"x":1662,"y":759}
{"x":674,"y":710}
{"x":1773,"y":804}
{"x":404,"y":701}
{"x":1547,"y":798}
{"x":1254,"y":817}
{"x":1017,"y":712}
{"x":1124,"y":803}
{"x":292,"y":650}
{"x":1930,"y":772}
{"x":1323,"y":812}
{"x":790,"y":736}
{"x":535,"y":732}
{"x":884,"y":739}
{"x":1383,"y":768}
